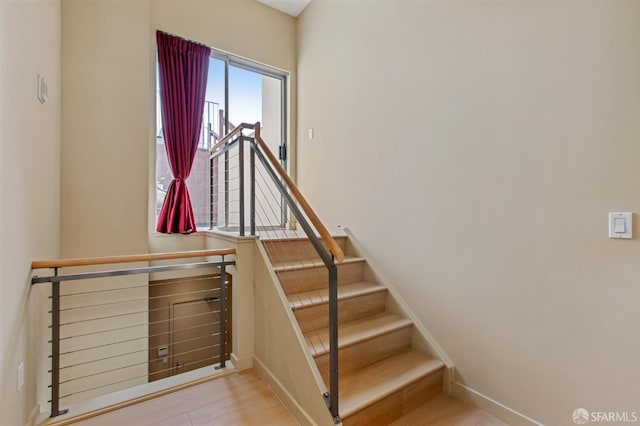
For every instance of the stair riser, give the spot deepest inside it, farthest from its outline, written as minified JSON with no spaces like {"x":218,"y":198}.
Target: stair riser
{"x":318,"y":278}
{"x":317,"y":317}
{"x":364,"y":353}
{"x":399,"y":403}
{"x":288,"y":251}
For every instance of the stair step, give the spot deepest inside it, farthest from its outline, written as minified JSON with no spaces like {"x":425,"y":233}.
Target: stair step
{"x":356,"y":331}
{"x":293,"y":265}
{"x":361,"y":342}
{"x":378,"y":381}
{"x":306,"y":299}
{"x":299,"y":280}
{"x":290,"y":249}
{"x":357,"y":300}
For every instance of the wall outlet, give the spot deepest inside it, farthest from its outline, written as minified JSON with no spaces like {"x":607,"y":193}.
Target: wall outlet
{"x":20,"y":375}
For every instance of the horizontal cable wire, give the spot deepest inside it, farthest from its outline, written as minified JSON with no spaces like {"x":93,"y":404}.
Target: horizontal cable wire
{"x":149,"y":310}
{"x":145,"y":349}
{"x":135,"y":325}
{"x":151,"y":284}
{"x":122,"y":288}
{"x":137,"y":377}
{"x":136,"y":364}
{"x":134,"y":339}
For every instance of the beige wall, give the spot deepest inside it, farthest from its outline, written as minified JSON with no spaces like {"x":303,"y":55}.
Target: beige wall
{"x":475,"y":148}
{"x":105,"y":140}
{"x":29,"y":188}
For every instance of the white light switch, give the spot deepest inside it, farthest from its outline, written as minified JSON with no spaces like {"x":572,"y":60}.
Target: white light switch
{"x":620,"y":225}
{"x":43,"y":90}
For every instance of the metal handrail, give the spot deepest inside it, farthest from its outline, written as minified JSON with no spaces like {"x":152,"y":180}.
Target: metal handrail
{"x":235,"y":132}
{"x":297,"y":203}
{"x":91,"y":261}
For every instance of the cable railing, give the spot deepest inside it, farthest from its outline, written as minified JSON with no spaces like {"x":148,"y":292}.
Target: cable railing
{"x":112,"y":329}
{"x":250,"y":190}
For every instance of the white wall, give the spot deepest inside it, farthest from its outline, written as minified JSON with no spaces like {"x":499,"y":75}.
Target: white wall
{"x":29,"y":188}
{"x":475,"y":147}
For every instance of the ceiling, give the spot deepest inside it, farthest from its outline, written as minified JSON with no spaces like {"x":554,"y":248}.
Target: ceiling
{"x":290,"y":7}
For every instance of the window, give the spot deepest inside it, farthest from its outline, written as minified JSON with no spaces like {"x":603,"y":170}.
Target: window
{"x":237,"y":91}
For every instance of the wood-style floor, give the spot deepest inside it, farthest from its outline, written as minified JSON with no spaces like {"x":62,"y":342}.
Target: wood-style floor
{"x":245,"y":399}
{"x":236,"y":399}
{"x":444,"y":411}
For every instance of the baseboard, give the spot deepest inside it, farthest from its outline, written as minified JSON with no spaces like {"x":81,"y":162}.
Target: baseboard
{"x":241,"y":363}
{"x":292,"y":405}
{"x":35,"y":412}
{"x":491,"y":406}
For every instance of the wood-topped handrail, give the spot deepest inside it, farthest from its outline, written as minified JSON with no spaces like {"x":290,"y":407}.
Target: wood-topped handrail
{"x":333,"y":246}
{"x":230,"y":136}
{"x":88,"y":261}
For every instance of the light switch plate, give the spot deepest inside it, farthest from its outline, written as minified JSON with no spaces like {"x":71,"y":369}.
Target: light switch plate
{"x":43,"y":90}
{"x":20,"y":375}
{"x":627,"y":229}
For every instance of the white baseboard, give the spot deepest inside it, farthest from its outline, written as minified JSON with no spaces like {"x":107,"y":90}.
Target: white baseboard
{"x":241,"y":363}
{"x":292,"y":405}
{"x":35,"y":412}
{"x":491,"y":406}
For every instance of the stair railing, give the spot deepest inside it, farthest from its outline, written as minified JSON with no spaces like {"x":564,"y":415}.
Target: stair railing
{"x":306,"y":218}
{"x":85,"y":299}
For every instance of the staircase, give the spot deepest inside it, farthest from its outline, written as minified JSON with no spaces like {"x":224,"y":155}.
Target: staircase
{"x":383,"y":376}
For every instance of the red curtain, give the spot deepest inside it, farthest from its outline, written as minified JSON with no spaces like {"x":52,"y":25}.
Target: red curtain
{"x":183,"y":82}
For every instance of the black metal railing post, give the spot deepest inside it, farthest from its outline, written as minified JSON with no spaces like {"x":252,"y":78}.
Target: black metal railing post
{"x":241,"y":184}
{"x":333,"y":342}
{"x":226,"y":189}
{"x":223,"y":314}
{"x":211,"y":190}
{"x":252,"y":189}
{"x":55,"y":348}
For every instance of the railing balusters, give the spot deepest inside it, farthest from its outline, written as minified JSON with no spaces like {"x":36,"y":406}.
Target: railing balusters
{"x":252,"y":183}
{"x":55,"y":348}
{"x":241,"y":184}
{"x":226,"y":189}
{"x":333,"y":342}
{"x":223,"y":314}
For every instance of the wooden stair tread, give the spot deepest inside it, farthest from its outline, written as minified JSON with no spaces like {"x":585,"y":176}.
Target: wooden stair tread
{"x":356,"y":331}
{"x":372,"y":383}
{"x":310,"y":298}
{"x":310,"y":263}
